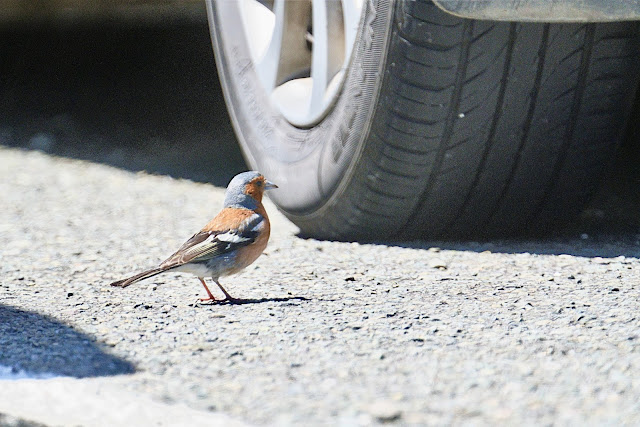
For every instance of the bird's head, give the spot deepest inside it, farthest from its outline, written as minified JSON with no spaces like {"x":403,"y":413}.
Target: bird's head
{"x":246,"y":189}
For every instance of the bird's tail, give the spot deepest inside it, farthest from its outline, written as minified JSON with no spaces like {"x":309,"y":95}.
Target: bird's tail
{"x":131,"y":280}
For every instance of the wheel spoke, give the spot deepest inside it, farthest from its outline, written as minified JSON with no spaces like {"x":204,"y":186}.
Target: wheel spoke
{"x":300,"y":50}
{"x":328,"y":48}
{"x":287,"y":55}
{"x":267,"y":67}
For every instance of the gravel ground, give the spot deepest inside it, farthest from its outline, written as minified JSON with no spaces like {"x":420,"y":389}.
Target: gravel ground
{"x":540,"y":332}
{"x":537,"y":332}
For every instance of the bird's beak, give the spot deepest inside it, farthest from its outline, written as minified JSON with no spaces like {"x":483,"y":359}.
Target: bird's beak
{"x":268,"y":185}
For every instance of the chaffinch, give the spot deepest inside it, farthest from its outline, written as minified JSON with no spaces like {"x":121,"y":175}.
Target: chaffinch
{"x":231,"y":241}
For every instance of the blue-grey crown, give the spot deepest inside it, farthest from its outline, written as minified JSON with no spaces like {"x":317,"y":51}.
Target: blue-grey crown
{"x":235,"y":196}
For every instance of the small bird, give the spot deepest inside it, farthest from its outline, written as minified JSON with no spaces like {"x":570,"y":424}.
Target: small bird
{"x":231,"y":241}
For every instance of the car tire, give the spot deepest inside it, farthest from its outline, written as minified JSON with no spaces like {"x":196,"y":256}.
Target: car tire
{"x":444,"y":127}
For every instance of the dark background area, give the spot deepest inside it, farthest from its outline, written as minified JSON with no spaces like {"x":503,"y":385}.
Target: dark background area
{"x":136,"y":95}
{"x":146,"y":96}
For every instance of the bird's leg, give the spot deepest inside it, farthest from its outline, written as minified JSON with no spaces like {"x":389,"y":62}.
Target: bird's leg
{"x":211,"y":297}
{"x":226,"y":294}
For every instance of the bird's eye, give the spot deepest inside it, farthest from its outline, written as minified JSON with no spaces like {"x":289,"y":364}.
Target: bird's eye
{"x":259,"y":183}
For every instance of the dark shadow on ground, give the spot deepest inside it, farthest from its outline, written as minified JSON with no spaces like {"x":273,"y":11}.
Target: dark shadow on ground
{"x":243,"y":301}
{"x":602,"y":243}
{"x":605,"y":245}
{"x":131,"y":95}
{"x":11,"y":421}
{"x":39,"y":344}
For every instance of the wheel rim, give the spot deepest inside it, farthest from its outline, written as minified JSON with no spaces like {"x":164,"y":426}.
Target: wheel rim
{"x":300,"y":51}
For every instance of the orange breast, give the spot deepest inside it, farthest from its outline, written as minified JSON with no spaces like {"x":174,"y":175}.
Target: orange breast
{"x":247,"y":254}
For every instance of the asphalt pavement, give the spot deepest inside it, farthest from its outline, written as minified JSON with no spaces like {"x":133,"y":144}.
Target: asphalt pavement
{"x":110,"y":170}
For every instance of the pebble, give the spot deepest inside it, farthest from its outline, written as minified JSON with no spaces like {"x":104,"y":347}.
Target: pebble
{"x":437,"y":263}
{"x":385,"y":411}
{"x":42,"y":141}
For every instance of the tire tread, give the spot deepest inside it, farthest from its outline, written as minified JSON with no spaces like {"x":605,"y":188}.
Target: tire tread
{"x":512,"y":158}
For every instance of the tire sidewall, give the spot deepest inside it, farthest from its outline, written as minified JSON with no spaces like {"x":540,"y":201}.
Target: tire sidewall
{"x":312,"y":166}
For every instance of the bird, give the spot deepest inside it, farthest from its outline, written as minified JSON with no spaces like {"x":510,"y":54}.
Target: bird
{"x":230,"y":242}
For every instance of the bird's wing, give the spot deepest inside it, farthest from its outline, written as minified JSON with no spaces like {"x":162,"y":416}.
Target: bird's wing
{"x":205,"y":245}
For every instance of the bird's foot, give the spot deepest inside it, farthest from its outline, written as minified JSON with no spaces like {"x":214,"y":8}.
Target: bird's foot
{"x":210,"y":300}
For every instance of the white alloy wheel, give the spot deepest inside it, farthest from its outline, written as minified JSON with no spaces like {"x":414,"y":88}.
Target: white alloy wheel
{"x":300,"y":50}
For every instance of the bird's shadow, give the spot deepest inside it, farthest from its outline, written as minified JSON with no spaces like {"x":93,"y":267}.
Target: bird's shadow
{"x":243,"y":301}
